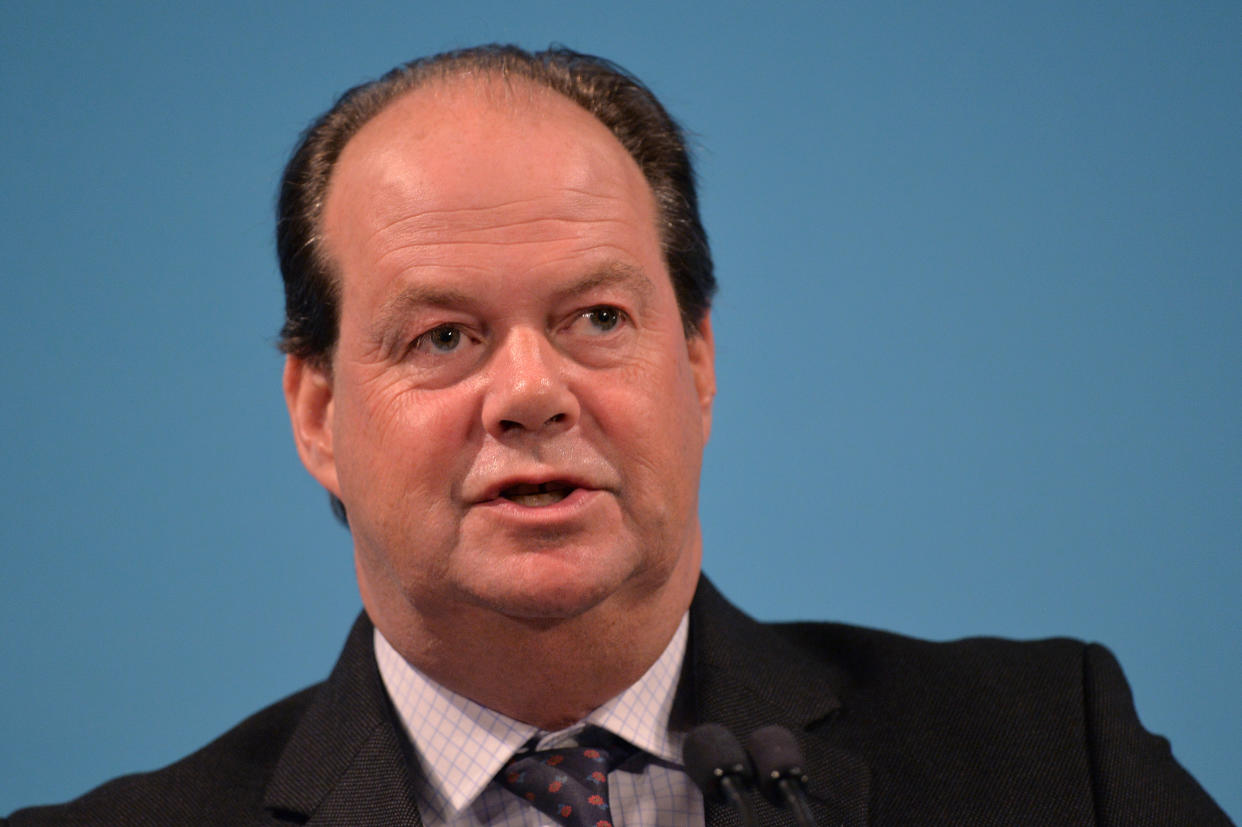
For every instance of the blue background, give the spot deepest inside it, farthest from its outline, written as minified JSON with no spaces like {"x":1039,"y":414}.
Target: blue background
{"x":980,"y":341}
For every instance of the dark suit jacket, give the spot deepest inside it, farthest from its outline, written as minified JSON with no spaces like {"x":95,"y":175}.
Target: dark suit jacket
{"x":894,"y":731}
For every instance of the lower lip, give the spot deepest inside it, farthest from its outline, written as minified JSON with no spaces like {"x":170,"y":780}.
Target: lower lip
{"x":567,"y":508}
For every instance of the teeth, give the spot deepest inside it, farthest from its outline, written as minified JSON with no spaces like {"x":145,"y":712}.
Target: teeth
{"x":535,"y":496}
{"x":537,"y":500}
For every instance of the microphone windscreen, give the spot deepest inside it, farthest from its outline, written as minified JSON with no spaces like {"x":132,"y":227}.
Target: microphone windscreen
{"x":712,"y":752}
{"x":777,"y":756}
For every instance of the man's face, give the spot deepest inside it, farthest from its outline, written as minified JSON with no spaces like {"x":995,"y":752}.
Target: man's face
{"x":514,"y":418}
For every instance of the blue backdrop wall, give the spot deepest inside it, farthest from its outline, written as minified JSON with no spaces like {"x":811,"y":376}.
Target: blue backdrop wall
{"x":980,"y":356}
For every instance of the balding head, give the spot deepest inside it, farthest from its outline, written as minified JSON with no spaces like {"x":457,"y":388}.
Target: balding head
{"x":619,"y":101}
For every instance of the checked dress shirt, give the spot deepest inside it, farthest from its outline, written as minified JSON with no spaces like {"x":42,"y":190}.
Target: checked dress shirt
{"x":461,"y":746}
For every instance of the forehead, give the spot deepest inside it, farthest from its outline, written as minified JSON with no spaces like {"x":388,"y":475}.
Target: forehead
{"x":471,"y":151}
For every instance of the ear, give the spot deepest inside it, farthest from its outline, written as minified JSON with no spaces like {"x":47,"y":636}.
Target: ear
{"x":702,"y":349}
{"x":308,"y":394}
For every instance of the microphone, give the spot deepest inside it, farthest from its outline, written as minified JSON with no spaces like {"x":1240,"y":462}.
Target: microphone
{"x":720,"y":768}
{"x":778,"y":765}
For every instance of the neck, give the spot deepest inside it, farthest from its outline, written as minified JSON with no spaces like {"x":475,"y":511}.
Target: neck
{"x":549,"y":673}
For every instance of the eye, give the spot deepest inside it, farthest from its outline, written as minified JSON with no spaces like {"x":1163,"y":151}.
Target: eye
{"x":603,"y":319}
{"x":442,"y":339}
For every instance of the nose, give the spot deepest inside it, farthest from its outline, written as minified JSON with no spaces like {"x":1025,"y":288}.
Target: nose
{"x":528,"y":391}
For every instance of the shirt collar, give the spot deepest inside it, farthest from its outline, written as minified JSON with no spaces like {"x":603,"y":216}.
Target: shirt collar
{"x":462,"y":745}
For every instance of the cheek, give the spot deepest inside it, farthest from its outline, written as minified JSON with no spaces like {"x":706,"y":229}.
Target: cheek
{"x":402,"y":446}
{"x":651,"y":423}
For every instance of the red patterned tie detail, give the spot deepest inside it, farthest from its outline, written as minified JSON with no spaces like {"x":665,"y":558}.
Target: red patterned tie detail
{"x":571,"y":784}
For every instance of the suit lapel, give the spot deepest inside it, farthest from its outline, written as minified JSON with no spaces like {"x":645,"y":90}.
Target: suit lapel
{"x":346,"y":763}
{"x":745,"y":676}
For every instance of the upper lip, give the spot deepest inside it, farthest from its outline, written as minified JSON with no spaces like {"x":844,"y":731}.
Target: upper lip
{"x":569,"y":480}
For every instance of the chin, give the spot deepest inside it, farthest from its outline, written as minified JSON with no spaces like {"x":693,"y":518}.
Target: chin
{"x":536,"y":588}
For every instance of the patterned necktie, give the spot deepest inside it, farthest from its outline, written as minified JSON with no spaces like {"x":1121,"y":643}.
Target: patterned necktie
{"x":570,"y":784}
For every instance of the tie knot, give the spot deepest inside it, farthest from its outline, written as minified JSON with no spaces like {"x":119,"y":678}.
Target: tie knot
{"x":569,"y":784}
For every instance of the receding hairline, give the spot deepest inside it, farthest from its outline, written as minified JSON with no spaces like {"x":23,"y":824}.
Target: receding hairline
{"x":506,"y":94}
{"x":503,"y":85}
{"x":499,"y":85}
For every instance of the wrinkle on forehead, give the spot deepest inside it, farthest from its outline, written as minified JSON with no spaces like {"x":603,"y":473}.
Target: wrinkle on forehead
{"x":458,"y":248}
{"x":435,"y":193}
{"x":480,"y":216}
{"x":476,"y":224}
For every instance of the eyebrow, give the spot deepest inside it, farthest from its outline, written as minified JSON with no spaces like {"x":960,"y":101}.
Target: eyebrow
{"x":610,"y":275}
{"x":411,"y":298}
{"x":416,"y":296}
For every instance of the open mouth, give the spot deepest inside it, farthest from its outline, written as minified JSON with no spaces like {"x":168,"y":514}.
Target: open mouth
{"x":537,"y":496}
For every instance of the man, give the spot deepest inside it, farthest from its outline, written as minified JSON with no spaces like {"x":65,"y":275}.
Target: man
{"x":501,"y":367}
